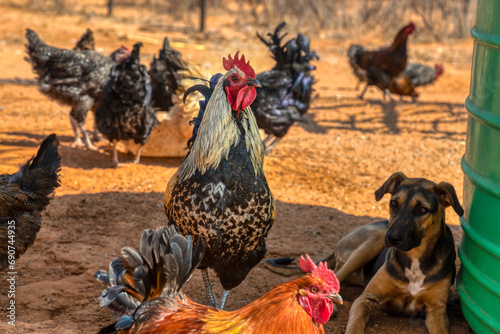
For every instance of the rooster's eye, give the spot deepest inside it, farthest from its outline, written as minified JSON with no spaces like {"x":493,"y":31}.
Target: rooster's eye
{"x":235,"y":78}
{"x":314,"y":289}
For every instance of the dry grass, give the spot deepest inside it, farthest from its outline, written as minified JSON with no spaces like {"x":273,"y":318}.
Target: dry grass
{"x":436,"y":19}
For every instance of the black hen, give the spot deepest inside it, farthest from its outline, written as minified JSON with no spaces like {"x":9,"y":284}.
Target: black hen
{"x":72,"y":77}
{"x":125,"y":111}
{"x":23,"y":196}
{"x":286,"y":90}
{"x":164,"y":75}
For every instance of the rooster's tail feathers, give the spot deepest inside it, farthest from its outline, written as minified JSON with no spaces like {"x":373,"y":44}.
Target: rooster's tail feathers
{"x":163,"y":265}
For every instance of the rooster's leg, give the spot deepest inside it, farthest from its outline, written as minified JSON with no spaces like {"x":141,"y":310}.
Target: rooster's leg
{"x":78,"y":141}
{"x":223,"y":299}
{"x":363,"y":92}
{"x":212,"y":300}
{"x":138,"y":155}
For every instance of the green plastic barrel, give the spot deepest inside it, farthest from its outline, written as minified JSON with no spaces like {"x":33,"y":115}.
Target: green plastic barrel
{"x":479,"y":249}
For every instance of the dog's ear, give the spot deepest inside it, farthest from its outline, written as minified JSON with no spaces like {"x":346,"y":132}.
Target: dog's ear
{"x":448,"y":197}
{"x":388,"y":187}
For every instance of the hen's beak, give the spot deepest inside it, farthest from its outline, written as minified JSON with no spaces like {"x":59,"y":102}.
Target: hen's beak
{"x":335,"y":297}
{"x":254,"y":83}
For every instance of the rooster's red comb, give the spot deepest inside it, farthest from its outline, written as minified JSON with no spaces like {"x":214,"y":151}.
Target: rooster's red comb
{"x":230,"y":63}
{"x":321,"y":270}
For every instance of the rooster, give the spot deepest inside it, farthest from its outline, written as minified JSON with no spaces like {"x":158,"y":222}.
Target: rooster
{"x":415,"y":75}
{"x":125,"y":111}
{"x":382,"y":65}
{"x":145,"y":292}
{"x":72,"y":77}
{"x":220,"y":191}
{"x":23,"y":195}
{"x":86,"y":42}
{"x":286,"y":90}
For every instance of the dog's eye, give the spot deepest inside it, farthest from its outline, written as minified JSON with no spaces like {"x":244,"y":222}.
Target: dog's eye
{"x":314,"y":289}
{"x":423,"y":210}
{"x":394,"y":203}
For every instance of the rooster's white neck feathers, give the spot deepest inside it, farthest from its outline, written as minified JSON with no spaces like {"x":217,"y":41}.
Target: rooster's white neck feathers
{"x":219,"y":132}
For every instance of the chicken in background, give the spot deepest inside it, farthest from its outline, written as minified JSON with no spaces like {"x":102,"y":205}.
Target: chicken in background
{"x":415,"y":75}
{"x":86,"y":42}
{"x":164,"y":73}
{"x":356,"y":69}
{"x":171,"y":75}
{"x":23,"y":196}
{"x":72,"y":77}
{"x":285,"y":95}
{"x":125,"y":110}
{"x":145,"y":293}
{"x":383,"y":65}
{"x":220,"y":191}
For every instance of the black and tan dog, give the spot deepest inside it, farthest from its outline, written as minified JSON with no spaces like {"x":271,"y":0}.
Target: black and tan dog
{"x":407,"y":263}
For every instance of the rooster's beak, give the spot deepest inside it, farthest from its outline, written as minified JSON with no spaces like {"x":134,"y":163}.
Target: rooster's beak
{"x":335,"y":297}
{"x":254,"y":83}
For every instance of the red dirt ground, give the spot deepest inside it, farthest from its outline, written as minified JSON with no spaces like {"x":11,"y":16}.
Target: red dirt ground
{"x":323,"y":175}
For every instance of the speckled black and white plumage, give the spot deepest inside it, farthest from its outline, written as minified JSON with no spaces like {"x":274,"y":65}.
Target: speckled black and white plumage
{"x":220,"y":191}
{"x":286,"y":90}
{"x":86,"y":42}
{"x":419,"y":74}
{"x":125,"y":111}
{"x":70,"y":77}
{"x":231,"y":206}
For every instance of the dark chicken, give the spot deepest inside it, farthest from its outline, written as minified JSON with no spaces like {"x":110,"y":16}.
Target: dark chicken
{"x":145,"y":292}
{"x":415,"y":75}
{"x":220,"y":191}
{"x":23,"y":196}
{"x":383,"y":65}
{"x":171,"y":75}
{"x":125,"y":111}
{"x":164,"y":73}
{"x":286,"y":90}
{"x":86,"y":42}
{"x":72,"y":77}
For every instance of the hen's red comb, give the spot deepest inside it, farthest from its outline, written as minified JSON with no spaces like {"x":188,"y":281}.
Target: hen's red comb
{"x":230,"y":63}
{"x":125,"y":48}
{"x":321,"y":270}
